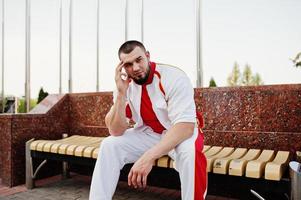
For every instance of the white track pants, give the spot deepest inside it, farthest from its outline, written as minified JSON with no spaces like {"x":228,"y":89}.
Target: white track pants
{"x":115,"y":152}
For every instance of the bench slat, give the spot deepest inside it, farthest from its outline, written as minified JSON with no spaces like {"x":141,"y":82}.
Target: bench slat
{"x":71,"y":149}
{"x":88,"y":152}
{"x":54,"y":148}
{"x":255,"y":168}
{"x":164,"y":161}
{"x":95,"y":153}
{"x":40,"y":145}
{"x":206,"y":148}
{"x":223,"y":153}
{"x":275,"y":169}
{"x":62,"y":148}
{"x":237,"y":166}
{"x":79,"y":151}
{"x":213,"y":150}
{"x":221,"y":165}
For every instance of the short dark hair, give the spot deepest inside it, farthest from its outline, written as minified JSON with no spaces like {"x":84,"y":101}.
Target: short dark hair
{"x":129,"y":46}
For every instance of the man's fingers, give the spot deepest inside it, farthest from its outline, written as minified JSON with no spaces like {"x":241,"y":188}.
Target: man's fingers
{"x":144,"y":180}
{"x":123,"y":76}
{"x":119,"y":66}
{"x":134,"y":179}
{"x":130,"y":178}
{"x":139,"y":180}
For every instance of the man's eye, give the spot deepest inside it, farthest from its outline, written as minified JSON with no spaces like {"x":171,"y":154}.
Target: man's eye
{"x":127,"y":65}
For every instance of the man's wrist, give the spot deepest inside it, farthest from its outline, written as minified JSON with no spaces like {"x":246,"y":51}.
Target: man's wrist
{"x":151,"y":155}
{"x":121,"y":96}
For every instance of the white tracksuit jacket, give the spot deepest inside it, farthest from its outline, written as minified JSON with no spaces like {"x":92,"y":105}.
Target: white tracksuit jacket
{"x":172,"y":98}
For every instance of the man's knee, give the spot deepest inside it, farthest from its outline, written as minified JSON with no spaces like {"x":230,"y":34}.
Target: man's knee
{"x":110,"y":142}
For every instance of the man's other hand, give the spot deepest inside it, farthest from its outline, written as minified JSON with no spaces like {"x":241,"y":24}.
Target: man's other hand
{"x":139,"y":172}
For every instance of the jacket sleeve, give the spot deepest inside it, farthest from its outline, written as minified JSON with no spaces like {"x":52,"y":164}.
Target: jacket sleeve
{"x":180,"y":101}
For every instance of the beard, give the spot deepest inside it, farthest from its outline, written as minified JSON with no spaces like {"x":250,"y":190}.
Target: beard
{"x":142,"y":80}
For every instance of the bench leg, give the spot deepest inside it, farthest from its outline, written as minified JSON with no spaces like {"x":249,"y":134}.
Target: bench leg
{"x":65,"y":173}
{"x":30,"y":174}
{"x":29,"y":167}
{"x":65,"y":165}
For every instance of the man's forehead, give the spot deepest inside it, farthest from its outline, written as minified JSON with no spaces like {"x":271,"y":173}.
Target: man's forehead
{"x":132,"y":56}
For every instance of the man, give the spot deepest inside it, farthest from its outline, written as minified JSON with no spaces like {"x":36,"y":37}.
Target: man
{"x":160,"y":100}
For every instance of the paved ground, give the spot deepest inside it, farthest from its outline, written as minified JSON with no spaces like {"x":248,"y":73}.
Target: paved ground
{"x":77,"y":188}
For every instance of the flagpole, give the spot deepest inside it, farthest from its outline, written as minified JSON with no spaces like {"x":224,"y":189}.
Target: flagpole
{"x":60,"y":71}
{"x":199,"y":82}
{"x":2,"y":91}
{"x":126,"y":20}
{"x":27,"y":57}
{"x":70,"y":46}
{"x":142,"y":21}
{"x":97,"y":49}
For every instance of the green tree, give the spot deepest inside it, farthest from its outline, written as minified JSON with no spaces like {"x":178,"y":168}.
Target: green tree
{"x":212,"y":83}
{"x":244,"y":79}
{"x":42,"y":95}
{"x":247,"y":78}
{"x":22,"y":106}
{"x":297,"y":60}
{"x":257,"y":80}
{"x":234,"y":77}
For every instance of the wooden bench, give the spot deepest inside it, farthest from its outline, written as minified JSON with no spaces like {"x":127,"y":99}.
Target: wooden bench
{"x":254,"y":163}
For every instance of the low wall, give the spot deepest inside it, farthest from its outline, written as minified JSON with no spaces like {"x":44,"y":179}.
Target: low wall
{"x":254,"y":117}
{"x":48,"y":121}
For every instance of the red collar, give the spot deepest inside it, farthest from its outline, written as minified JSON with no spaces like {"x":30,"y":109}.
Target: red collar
{"x":152,"y":68}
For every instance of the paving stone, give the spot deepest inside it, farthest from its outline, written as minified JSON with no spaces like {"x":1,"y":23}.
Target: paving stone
{"x":78,"y":189}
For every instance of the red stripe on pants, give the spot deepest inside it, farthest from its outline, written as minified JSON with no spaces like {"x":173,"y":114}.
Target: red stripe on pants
{"x":200,"y":174}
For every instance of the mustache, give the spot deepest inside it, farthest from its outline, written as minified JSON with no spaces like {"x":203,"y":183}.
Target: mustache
{"x":135,"y":75}
{"x":138,"y":73}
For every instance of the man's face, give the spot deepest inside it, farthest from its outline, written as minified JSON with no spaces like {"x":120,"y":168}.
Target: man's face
{"x":136,"y":65}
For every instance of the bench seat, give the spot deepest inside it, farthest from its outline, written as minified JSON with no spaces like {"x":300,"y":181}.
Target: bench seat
{"x":220,"y":160}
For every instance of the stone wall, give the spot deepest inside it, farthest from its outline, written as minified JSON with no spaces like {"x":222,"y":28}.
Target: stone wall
{"x":266,"y":117}
{"x":254,"y":117}
{"x":87,"y":113}
{"x":47,"y":121}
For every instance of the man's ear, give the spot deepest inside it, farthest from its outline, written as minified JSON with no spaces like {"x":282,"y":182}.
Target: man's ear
{"x":147,"y":55}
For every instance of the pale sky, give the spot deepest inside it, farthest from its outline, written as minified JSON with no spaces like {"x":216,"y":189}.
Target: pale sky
{"x":262,"y":33}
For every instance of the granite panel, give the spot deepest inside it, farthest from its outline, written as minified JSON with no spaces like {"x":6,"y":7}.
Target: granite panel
{"x":275,"y":108}
{"x":5,"y":148}
{"x":87,"y":113}
{"x":89,"y":131}
{"x":46,"y":104}
{"x":287,"y":141}
{"x":23,"y":127}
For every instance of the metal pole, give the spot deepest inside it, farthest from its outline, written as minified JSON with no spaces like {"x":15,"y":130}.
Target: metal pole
{"x":142,"y":21}
{"x":60,"y":72}
{"x":70,"y":46}
{"x":2,"y":92}
{"x":199,"y":82}
{"x":126,"y":21}
{"x":27,"y":58}
{"x":97,"y":49}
